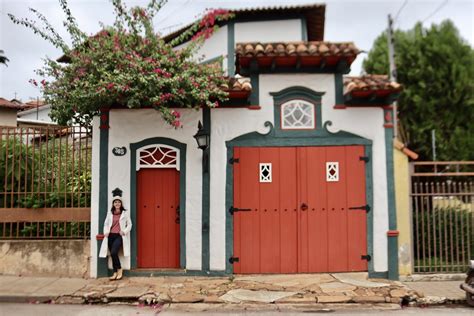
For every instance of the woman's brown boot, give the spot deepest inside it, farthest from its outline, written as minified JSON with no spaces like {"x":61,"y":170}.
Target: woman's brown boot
{"x":119,"y":274}
{"x":113,"y":277}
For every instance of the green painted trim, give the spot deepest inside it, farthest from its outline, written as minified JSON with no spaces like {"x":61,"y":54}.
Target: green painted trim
{"x":264,"y":17}
{"x":300,"y":93}
{"x":231,"y":48}
{"x":229,"y":201}
{"x":369,"y":196}
{"x":372,"y":100}
{"x":206,"y":195}
{"x":392,"y":210}
{"x":254,"y":95}
{"x":304,"y":29}
{"x":182,"y":193}
{"x":157,"y":273}
{"x":102,"y":263}
{"x":322,"y":138}
{"x":378,"y":275}
{"x":339,"y":88}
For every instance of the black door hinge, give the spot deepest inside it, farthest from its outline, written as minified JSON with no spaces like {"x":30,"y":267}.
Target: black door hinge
{"x":364,"y":158}
{"x":233,"y":259}
{"x":366,"y":257}
{"x":363,"y":207}
{"x":234,"y":160}
{"x":232,"y":210}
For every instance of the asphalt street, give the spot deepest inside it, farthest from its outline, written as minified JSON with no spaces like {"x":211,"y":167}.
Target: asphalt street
{"x":8,"y":309}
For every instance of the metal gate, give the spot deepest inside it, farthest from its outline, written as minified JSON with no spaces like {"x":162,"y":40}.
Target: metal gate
{"x":442,"y":197}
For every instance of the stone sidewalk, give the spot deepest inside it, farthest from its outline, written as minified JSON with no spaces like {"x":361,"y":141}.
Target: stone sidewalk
{"x":223,"y":292}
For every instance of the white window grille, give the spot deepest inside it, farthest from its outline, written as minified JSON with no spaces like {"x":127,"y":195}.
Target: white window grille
{"x":332,"y":171}
{"x":297,"y":114}
{"x":265,"y":172}
{"x":158,"y":156}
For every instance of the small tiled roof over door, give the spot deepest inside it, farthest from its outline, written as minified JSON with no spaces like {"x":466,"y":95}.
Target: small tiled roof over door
{"x":311,"y":56}
{"x":370,"y":90}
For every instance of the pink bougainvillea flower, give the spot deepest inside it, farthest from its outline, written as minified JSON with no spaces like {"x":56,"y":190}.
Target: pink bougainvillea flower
{"x":176,"y":114}
{"x":110,"y":86}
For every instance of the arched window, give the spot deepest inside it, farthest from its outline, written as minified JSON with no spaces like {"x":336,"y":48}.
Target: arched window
{"x":158,"y":156}
{"x":297,"y":114}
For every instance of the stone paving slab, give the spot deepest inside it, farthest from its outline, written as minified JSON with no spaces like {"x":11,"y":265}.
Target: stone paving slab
{"x":239,"y":295}
{"x":127,"y":292}
{"x":448,"y":289}
{"x":336,"y":287}
{"x":358,"y":279}
{"x":7,"y":281}
{"x":62,"y":286}
{"x":27,"y":285}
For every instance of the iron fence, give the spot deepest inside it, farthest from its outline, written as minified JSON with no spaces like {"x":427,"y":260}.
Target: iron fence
{"x":45,"y":179}
{"x":442,"y":215}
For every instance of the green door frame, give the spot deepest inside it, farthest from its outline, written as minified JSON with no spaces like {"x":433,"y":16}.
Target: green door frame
{"x":319,"y":137}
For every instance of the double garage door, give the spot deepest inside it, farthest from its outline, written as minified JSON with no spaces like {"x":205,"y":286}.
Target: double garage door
{"x":299,"y":209}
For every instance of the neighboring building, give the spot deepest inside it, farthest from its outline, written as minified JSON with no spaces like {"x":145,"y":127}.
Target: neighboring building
{"x":298,"y":175}
{"x":37,"y":113}
{"x":8,"y":110}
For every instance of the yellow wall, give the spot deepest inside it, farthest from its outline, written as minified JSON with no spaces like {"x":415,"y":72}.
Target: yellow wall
{"x":402,"y":195}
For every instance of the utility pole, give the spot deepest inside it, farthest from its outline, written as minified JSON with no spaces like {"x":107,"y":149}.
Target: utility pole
{"x":393,"y":71}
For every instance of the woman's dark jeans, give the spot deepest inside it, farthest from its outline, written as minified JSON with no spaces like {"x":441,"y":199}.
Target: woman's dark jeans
{"x":115,"y":243}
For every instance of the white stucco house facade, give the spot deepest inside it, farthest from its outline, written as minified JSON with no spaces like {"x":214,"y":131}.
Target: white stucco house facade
{"x":297,"y":176}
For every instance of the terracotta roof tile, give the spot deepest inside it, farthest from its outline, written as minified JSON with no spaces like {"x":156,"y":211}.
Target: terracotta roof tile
{"x":237,"y":83}
{"x":322,"y":49}
{"x":370,"y":82}
{"x":4,"y":103}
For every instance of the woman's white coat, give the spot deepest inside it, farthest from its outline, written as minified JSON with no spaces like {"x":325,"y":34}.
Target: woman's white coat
{"x":125,"y":226}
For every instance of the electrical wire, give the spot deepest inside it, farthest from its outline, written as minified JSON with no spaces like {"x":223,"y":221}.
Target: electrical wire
{"x":400,"y":10}
{"x":436,"y":10}
{"x":172,"y":13}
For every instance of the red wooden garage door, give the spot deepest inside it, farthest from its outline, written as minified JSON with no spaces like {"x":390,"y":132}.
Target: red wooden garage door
{"x":158,"y":218}
{"x":292,"y":218}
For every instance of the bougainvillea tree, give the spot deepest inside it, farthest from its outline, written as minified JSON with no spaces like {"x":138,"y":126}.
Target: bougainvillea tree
{"x":127,"y":64}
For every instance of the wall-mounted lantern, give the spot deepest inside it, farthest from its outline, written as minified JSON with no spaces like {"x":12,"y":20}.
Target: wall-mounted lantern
{"x":203,"y":139}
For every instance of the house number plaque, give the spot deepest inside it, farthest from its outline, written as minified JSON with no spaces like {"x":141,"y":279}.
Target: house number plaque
{"x":119,"y":151}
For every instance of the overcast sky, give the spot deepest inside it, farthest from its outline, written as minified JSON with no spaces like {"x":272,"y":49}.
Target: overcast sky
{"x":346,"y":20}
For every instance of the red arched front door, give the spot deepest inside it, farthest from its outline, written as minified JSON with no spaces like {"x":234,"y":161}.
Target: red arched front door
{"x":158,"y":228}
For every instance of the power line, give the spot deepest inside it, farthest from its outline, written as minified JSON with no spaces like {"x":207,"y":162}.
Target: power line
{"x":174,"y":11}
{"x":400,"y":10}
{"x":436,"y":10}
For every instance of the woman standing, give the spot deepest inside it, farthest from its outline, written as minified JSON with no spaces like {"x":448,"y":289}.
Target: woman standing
{"x":117,"y":228}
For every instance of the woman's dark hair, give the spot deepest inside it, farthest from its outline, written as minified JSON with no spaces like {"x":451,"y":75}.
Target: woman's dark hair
{"x":122,"y":209}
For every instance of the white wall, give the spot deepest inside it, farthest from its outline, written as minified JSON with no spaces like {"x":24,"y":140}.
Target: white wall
{"x":41,"y":114}
{"x":230,"y":123}
{"x":132,"y":126}
{"x":215,"y":46}
{"x":95,"y":194}
{"x":268,"y":31}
